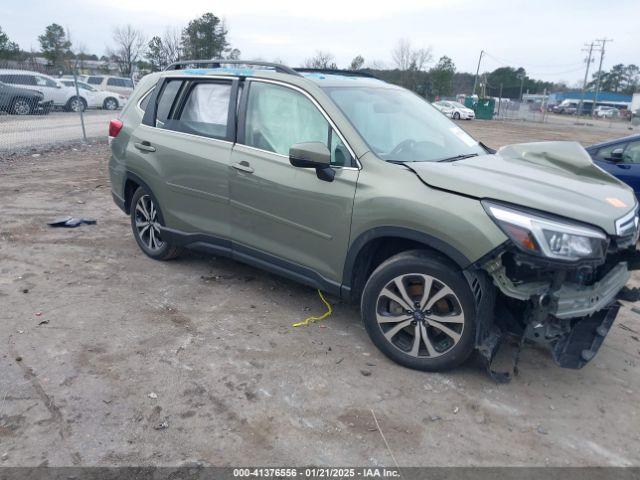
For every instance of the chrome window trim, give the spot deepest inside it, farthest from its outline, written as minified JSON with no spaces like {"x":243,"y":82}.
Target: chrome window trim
{"x":203,"y":137}
{"x":145,"y":95}
{"x":286,"y":157}
{"x":322,"y":111}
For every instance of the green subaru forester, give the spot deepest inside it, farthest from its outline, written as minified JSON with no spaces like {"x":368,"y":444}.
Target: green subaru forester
{"x":362,"y":189}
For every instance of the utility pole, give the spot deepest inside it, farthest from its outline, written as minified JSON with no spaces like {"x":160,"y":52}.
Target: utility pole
{"x":602,"y":42}
{"x":475,"y":80}
{"x":522,"y":75}
{"x":586,"y":75}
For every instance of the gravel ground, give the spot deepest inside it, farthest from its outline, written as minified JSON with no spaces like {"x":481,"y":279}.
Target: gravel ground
{"x":110,"y":358}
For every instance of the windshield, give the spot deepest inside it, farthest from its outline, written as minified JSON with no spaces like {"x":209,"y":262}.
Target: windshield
{"x":400,"y":126}
{"x":457,"y":105}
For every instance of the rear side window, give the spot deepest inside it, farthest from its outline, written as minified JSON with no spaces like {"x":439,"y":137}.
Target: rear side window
{"x":94,"y":80}
{"x":205,"y":111}
{"x":166,"y":100}
{"x":18,"y":79}
{"x":115,"y":82}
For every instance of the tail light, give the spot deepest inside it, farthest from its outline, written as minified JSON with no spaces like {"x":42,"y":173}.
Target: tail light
{"x":114,"y":128}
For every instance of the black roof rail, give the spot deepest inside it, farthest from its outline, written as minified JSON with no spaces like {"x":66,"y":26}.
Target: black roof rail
{"x":335,"y":71}
{"x":217,"y":63}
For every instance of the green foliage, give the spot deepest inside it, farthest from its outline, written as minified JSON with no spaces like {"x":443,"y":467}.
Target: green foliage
{"x":8,"y":49}
{"x":621,"y":79}
{"x":512,"y":80}
{"x":54,"y":45}
{"x":205,"y":38}
{"x":156,"y":54}
{"x":357,"y":63}
{"x":442,"y":77}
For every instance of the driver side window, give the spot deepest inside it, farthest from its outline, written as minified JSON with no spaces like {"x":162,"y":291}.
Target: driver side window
{"x":631,"y":153}
{"x":279,"y":117}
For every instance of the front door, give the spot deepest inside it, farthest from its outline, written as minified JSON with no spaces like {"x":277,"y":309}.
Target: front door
{"x":283,"y":214}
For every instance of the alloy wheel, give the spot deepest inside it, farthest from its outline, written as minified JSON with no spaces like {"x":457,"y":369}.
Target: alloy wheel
{"x":111,"y":104}
{"x":420,"y":315}
{"x":147,"y":223}
{"x":21,"y":107}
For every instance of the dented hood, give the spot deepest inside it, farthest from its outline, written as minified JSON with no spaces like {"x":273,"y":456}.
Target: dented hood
{"x":555,"y":177}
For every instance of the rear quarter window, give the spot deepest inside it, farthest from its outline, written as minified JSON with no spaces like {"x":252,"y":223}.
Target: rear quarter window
{"x":166,"y":100}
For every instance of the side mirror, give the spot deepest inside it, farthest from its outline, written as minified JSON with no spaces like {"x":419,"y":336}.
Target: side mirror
{"x":616,"y":155}
{"x":313,"y":155}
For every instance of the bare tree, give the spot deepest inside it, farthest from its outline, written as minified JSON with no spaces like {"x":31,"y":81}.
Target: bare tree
{"x":412,"y":64}
{"x":401,"y":54}
{"x":172,"y":42}
{"x":129,"y":47}
{"x":321,"y":60}
{"x":407,"y":58}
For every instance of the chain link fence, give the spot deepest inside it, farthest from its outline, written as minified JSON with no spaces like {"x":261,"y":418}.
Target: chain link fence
{"x":41,"y":108}
{"x":511,"y":110}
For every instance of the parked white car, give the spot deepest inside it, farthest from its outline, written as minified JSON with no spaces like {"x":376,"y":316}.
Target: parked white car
{"x":455,"y":110}
{"x":122,"y":85}
{"x":606,"y":112}
{"x":52,"y":89}
{"x":97,"y":98}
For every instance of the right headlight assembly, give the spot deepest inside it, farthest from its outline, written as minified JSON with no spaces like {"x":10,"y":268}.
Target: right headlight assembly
{"x":547,"y":237}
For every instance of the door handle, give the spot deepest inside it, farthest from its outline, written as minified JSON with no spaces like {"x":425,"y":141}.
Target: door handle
{"x":243,"y":166}
{"x":145,"y":147}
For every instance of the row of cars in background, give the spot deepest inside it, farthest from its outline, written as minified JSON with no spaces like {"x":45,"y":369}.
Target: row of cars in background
{"x":30,"y":93}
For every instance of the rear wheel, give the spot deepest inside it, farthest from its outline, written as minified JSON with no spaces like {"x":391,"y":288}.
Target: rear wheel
{"x":146,"y":220}
{"x":420,"y":312}
{"x":21,"y":106}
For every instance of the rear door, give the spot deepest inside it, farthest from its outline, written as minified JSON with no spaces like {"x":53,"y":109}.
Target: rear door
{"x":282,"y":214}
{"x":185,"y":140}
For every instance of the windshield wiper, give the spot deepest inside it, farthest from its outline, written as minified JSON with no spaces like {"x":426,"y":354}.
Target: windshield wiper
{"x":458,"y":157}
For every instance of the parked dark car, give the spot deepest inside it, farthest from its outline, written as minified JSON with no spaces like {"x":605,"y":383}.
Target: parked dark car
{"x":21,"y":101}
{"x":621,"y":158}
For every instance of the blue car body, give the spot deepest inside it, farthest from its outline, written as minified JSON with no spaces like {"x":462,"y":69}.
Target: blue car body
{"x":626,"y":166}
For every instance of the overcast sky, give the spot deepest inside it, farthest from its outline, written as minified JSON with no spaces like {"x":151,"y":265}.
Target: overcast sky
{"x":543,"y":36}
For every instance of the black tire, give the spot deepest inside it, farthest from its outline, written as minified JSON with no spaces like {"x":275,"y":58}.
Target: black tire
{"x":110,"y":103}
{"x":456,"y":116}
{"x":444,"y":273}
{"x":164,"y":252}
{"x":21,"y":106}
{"x":71,"y":104}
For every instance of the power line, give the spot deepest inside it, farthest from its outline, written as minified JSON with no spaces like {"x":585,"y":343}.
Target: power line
{"x":534,"y":66}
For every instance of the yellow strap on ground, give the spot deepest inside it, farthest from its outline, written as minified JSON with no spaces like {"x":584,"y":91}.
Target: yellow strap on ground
{"x":309,"y":320}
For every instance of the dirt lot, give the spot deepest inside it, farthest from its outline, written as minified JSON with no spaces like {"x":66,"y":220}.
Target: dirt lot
{"x":110,"y":358}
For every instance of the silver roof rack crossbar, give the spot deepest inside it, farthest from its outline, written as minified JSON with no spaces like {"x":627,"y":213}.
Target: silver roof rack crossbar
{"x":220,"y":62}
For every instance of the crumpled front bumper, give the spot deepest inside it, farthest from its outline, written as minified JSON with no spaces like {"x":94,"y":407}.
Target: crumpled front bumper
{"x":573,"y":300}
{"x":576,"y":348}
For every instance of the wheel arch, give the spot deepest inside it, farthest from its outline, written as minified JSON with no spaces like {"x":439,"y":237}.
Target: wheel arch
{"x":130,"y":183}
{"x":374,"y":246}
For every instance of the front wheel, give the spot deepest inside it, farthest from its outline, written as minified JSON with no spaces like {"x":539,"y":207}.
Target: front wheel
{"x":76,"y":104}
{"x":146,"y":220}
{"x":419,"y":311}
{"x":21,"y":106}
{"x":456,"y":116}
{"x":110,"y":104}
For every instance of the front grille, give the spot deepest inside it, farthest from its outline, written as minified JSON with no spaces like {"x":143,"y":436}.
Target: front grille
{"x":627,"y":229}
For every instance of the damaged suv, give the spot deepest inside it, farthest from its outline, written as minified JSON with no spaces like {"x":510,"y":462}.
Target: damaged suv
{"x":362,"y":189}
